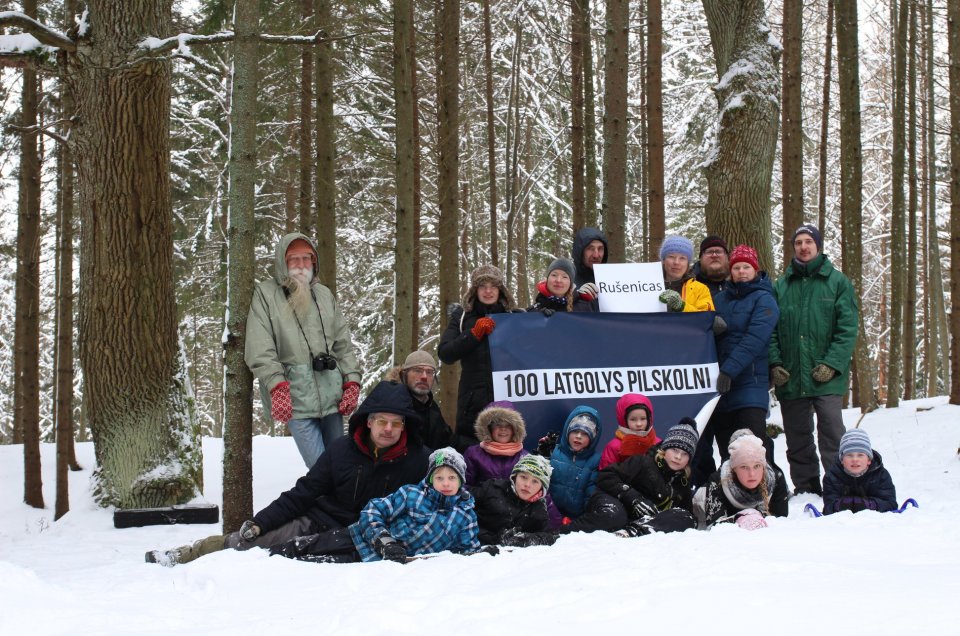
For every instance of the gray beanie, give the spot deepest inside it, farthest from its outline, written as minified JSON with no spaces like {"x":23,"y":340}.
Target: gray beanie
{"x":450,"y":458}
{"x":856,"y":440}
{"x":419,"y":358}
{"x":564,"y":264}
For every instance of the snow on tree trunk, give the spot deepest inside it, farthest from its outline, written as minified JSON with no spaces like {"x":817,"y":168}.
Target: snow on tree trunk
{"x":740,"y":168}
{"x":136,"y":391}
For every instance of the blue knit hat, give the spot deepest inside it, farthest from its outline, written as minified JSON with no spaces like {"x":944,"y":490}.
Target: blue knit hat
{"x":677,"y":245}
{"x":856,"y":441}
{"x":584,"y":422}
{"x":682,"y":436}
{"x":814,"y":233}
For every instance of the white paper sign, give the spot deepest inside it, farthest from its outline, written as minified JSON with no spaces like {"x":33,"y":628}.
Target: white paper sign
{"x":630,"y":287}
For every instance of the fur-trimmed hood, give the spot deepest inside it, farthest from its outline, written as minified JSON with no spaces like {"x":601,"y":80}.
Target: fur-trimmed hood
{"x":499,"y":414}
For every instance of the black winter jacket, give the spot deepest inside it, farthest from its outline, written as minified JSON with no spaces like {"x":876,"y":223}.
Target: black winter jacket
{"x":498,"y":508}
{"x":476,"y":379}
{"x":711,"y":504}
{"x":873,"y":490}
{"x":345,"y":478}
{"x":647,"y":477}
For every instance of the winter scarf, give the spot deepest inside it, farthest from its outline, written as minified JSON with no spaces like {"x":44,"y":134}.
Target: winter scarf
{"x":635,"y":442}
{"x":502,"y":449}
{"x":740,"y":497}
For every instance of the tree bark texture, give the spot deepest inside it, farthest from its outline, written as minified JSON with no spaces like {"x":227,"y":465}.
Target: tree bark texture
{"x":238,"y":383}
{"x":615,"y":127}
{"x":824,"y":120}
{"x":791,"y":152}
{"x":326,"y":186}
{"x":136,"y":389}
{"x":576,"y":114}
{"x":305,"y":129}
{"x":491,"y":132}
{"x":403,"y":335}
{"x":910,"y":284}
{"x":851,"y":184}
{"x":27,"y":328}
{"x":748,"y":94}
{"x":953,"y":41}
{"x":589,"y":123}
{"x":448,"y":110}
{"x":654,"y":132}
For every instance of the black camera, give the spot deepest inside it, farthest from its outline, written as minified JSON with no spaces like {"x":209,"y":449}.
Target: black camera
{"x":324,"y":362}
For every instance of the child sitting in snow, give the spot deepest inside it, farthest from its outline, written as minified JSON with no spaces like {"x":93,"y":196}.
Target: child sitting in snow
{"x":513,"y":511}
{"x":655,"y":489}
{"x":858,"y":481}
{"x":435,"y":515}
{"x":744,"y":490}
{"x":635,"y":436}
{"x":501,"y":430}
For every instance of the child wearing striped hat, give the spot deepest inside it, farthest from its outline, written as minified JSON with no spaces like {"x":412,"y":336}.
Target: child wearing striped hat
{"x":858,"y":481}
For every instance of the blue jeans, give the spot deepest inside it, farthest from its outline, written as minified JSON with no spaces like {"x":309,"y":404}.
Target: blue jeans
{"x":314,"y":434}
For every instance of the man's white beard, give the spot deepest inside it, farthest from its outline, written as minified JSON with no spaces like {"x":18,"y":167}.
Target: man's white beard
{"x":298,"y":284}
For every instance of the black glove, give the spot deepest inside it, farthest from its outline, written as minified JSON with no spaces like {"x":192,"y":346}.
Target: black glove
{"x":387,"y":547}
{"x":547,"y":443}
{"x":546,"y":311}
{"x":723,"y":383}
{"x":492,"y":550}
{"x":249,"y":530}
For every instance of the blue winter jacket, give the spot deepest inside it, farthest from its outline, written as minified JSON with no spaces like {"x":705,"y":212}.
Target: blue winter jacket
{"x":751,"y":313}
{"x":873,"y":490}
{"x":421,"y":519}
{"x":574,"y":474}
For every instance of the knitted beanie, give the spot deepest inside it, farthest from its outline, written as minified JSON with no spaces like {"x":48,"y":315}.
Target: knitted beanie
{"x":713,"y":241}
{"x":419,"y":358}
{"x":745,"y":254}
{"x":584,"y":422}
{"x":536,"y":465}
{"x":682,"y":436}
{"x":565,"y":265}
{"x":856,"y":440}
{"x":814,"y":233}
{"x":746,"y":449}
{"x":677,"y":245}
{"x":450,"y":458}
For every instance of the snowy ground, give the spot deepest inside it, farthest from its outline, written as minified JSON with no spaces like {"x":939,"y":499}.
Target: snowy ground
{"x":869,"y":573}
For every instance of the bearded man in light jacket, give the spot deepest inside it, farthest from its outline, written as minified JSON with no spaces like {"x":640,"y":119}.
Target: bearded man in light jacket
{"x":298,"y":346}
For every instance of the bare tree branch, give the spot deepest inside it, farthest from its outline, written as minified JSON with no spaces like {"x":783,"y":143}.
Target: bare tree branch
{"x":43,"y":33}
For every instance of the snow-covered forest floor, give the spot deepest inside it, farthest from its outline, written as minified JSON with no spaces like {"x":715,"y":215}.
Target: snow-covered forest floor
{"x":868,"y":573}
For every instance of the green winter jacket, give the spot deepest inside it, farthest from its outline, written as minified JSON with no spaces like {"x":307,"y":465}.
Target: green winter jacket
{"x":818,"y":325}
{"x":277,"y":349}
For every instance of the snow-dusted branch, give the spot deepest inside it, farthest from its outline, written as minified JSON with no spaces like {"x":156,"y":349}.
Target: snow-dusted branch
{"x":46,"y":129}
{"x":182,"y":41}
{"x":43,"y":34}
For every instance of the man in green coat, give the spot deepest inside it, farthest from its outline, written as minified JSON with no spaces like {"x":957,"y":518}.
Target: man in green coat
{"x":298,"y":346}
{"x":810,"y":353}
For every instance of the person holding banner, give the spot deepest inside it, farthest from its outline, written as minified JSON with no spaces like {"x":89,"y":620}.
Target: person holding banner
{"x":750,"y":312}
{"x":683,"y":292}
{"x":556,"y":292}
{"x":589,"y":249}
{"x":465,"y":341}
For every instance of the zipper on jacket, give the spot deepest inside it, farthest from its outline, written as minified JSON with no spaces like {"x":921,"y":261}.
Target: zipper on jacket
{"x":356,"y":484}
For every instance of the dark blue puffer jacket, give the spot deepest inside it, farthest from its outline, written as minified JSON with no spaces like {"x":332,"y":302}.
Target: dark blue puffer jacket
{"x":574,"y":474}
{"x":874,"y":489}
{"x":751,"y":313}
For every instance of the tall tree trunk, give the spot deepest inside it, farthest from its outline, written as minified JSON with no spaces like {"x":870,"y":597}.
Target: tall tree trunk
{"x":417,"y":194}
{"x":589,"y":123}
{"x":326,"y":186}
{"x":953,"y":39}
{"x":403,"y":62}
{"x":448,"y":110}
{"x":27,"y":328}
{"x":898,"y":260}
{"x":576,"y":113}
{"x":615,"y":127}
{"x":63,"y":405}
{"x":654,"y":145}
{"x":238,"y":385}
{"x":491,"y":132}
{"x":851,"y":184}
{"x":910,"y":284}
{"x":739,"y":174}
{"x":791,"y":153}
{"x":138,"y":398}
{"x":824,"y":123}
{"x":306,"y":122}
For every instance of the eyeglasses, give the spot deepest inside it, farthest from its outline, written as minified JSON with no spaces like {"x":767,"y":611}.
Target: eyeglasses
{"x":381,"y":422}
{"x":427,"y":371}
{"x":714,"y":252}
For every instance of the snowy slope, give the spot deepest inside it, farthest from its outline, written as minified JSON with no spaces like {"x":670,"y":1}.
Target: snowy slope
{"x":869,"y":573}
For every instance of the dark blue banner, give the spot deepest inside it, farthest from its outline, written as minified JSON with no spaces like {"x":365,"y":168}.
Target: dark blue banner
{"x":548,"y":366}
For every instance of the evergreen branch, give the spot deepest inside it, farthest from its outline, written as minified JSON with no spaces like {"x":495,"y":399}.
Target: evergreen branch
{"x":43,"y":33}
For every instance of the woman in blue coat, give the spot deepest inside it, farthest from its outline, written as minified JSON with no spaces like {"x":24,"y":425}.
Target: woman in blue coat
{"x":750,"y":310}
